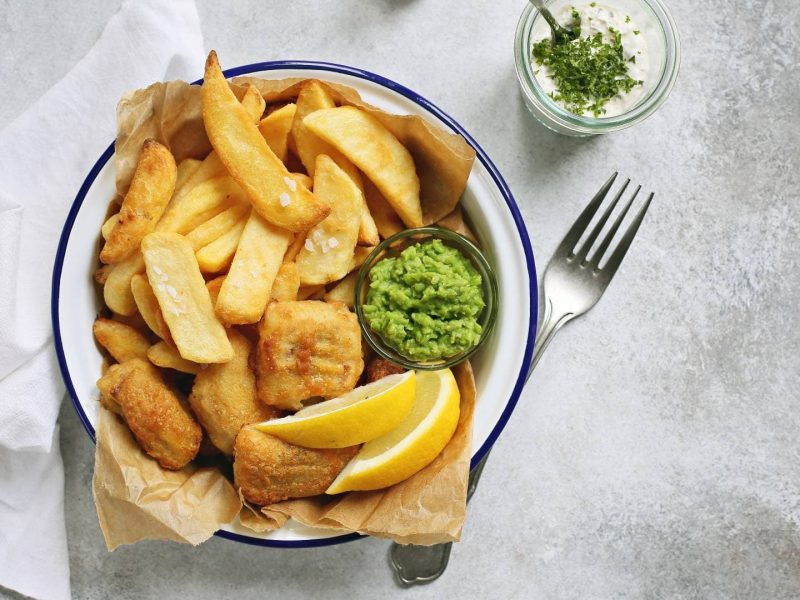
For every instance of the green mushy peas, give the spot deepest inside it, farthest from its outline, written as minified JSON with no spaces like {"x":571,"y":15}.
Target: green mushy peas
{"x":425,"y":303}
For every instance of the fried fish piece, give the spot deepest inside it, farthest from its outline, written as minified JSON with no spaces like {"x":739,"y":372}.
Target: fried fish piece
{"x":269,"y":470}
{"x":224,"y":396}
{"x":156,"y":415}
{"x":305,"y":349}
{"x":378,"y":368}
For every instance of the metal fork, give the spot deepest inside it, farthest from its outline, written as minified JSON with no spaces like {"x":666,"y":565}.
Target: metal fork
{"x":573,"y":283}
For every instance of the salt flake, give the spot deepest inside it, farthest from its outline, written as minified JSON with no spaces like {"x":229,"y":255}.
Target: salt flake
{"x":284,"y":199}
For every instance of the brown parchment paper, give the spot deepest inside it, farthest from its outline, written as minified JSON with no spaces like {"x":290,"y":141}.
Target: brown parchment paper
{"x":136,"y":499}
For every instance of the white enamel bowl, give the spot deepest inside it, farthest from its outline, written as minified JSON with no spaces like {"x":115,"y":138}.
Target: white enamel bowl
{"x":500,"y":365}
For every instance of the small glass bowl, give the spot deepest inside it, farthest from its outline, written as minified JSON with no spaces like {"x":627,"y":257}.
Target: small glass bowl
{"x":395,"y":244}
{"x":663,"y":48}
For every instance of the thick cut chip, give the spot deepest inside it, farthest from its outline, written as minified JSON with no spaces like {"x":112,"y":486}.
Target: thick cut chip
{"x":184,"y":300}
{"x":214,"y":286}
{"x":344,"y":291}
{"x":151,"y":188}
{"x":455,"y":222}
{"x":205,"y":201}
{"x":122,"y":341}
{"x":109,"y":225}
{"x":307,"y":349}
{"x":162,"y":354}
{"x":302,"y":179}
{"x":224,"y":396}
{"x":117,"y":288}
{"x":360,"y":255}
{"x":311,"y":292}
{"x":328,"y":249}
{"x":217,"y":226}
{"x":309,"y":146}
{"x":157,"y":416}
{"x":211,"y":166}
{"x":248,"y":158}
{"x":275,"y":129}
{"x":268,"y":470}
{"x":101,"y":274}
{"x":246,"y":289}
{"x":286,"y":284}
{"x":147,"y":303}
{"x":377,"y":152}
{"x":218,"y":255}
{"x":386,"y":219}
{"x":186,"y":168}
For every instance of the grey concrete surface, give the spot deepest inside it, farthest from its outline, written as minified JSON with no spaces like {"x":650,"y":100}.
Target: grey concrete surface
{"x":655,"y":453}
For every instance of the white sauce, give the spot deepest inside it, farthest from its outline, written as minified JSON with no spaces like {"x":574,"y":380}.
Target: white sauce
{"x":600,"y":18}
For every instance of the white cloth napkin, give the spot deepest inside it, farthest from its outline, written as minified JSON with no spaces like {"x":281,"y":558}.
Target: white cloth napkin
{"x":44,"y":156}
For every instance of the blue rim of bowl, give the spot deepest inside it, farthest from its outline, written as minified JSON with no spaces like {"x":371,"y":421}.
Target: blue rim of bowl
{"x":414,"y":97}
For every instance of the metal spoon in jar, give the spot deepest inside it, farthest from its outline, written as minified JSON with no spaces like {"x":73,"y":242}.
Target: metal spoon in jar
{"x":560,"y":35}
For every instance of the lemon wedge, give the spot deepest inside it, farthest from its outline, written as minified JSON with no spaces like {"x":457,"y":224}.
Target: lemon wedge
{"x":413,"y":444}
{"x":360,"y":415}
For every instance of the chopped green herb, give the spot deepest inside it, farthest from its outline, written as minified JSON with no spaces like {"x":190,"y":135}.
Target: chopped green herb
{"x":632,"y":59}
{"x":627,"y":18}
{"x":593,"y":4}
{"x":588,"y":71}
{"x":636,"y":32}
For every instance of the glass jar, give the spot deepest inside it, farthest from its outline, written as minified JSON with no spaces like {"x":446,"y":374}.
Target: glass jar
{"x":663,"y":49}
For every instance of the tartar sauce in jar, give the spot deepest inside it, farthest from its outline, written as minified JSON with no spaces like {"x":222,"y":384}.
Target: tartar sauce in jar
{"x":604,"y":72}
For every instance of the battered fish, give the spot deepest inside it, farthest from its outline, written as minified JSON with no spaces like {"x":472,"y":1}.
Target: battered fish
{"x":156,"y":415}
{"x":268,"y":470}
{"x":306,"y":349}
{"x":224,"y":396}
{"x":378,"y":368}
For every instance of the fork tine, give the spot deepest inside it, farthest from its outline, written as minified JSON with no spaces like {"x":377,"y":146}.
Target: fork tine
{"x":601,"y":249}
{"x":574,"y":234}
{"x":587,"y":245}
{"x":613,"y":263}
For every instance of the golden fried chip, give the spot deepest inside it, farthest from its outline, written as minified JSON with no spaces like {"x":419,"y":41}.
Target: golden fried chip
{"x":122,"y":341}
{"x":386,"y":219}
{"x":117,"y":288}
{"x":309,"y":146}
{"x":224,"y":396}
{"x":455,"y":222}
{"x":161,"y":354}
{"x":269,"y":470}
{"x":147,"y":303}
{"x":156,"y":415}
{"x":311,"y":292}
{"x":328,"y":249}
{"x":184,"y":300}
{"x":205,"y":201}
{"x":246,"y":289}
{"x":217,"y":226}
{"x":302,"y":179}
{"x":275,"y":129}
{"x":217,"y":255}
{"x":109,"y":225}
{"x":286,"y":284}
{"x":213,"y":288}
{"x":360,"y":255}
{"x":344,"y":291}
{"x":377,"y":152}
{"x":151,"y":188}
{"x":101,"y":274}
{"x":307,"y":349}
{"x":186,"y":168}
{"x":248,"y":158}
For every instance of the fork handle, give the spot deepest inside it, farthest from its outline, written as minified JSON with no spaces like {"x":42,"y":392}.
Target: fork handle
{"x":552,"y":322}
